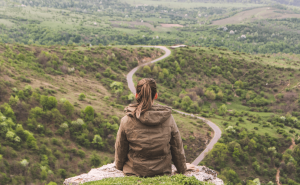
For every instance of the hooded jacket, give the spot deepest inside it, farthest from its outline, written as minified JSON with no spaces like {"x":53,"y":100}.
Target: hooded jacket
{"x":147,"y":146}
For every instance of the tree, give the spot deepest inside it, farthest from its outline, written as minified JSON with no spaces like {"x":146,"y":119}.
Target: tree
{"x":68,"y":108}
{"x":51,"y":103}
{"x":48,"y":103}
{"x":31,"y":142}
{"x":13,"y":100}
{"x":147,"y":69}
{"x":210,"y":94}
{"x":236,"y":154}
{"x":231,"y":176}
{"x":89,"y":113}
{"x":218,"y":155}
{"x":117,"y":87}
{"x":223,"y":109}
{"x":21,"y":95}
{"x":97,"y":141}
{"x":252,"y":145}
{"x":95,"y":160}
{"x":220,"y":95}
{"x":81,"y":97}
{"x":186,"y":102}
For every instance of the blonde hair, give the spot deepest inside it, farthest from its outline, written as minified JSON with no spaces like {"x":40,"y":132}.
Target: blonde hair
{"x":146,"y":90}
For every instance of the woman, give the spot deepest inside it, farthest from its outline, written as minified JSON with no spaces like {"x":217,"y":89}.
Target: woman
{"x":148,"y":139}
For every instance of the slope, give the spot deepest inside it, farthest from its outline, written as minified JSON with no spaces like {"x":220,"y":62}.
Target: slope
{"x":253,"y":100}
{"x":60,"y":110}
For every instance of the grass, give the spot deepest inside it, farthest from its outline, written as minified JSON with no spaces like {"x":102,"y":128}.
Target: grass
{"x":6,"y":22}
{"x":167,"y":180}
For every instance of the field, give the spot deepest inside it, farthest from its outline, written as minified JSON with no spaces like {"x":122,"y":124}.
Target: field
{"x":176,"y":4}
{"x":254,"y":15}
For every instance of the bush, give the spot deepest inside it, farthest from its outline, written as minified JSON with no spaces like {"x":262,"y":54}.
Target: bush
{"x":95,"y":160}
{"x":48,"y":103}
{"x":62,"y":173}
{"x":81,"y":154}
{"x":31,"y":142}
{"x":68,"y":108}
{"x":82,"y":97}
{"x":89,"y":113}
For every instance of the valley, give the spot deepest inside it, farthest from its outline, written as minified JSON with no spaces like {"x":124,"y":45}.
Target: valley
{"x":69,"y":68}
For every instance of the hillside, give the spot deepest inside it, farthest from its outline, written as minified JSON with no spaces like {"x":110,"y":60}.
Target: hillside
{"x":265,"y":30}
{"x":60,"y":110}
{"x":252,"y":98}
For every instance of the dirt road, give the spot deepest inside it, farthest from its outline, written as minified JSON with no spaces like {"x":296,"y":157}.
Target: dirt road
{"x":217,"y":131}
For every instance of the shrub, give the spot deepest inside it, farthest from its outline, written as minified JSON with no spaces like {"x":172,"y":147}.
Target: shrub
{"x":97,"y":142}
{"x":31,"y":142}
{"x":48,"y":103}
{"x":13,"y":100}
{"x":89,"y":113}
{"x":82,"y":97}
{"x":62,"y":173}
{"x":95,"y":160}
{"x":81,"y":154}
{"x":68,"y":108}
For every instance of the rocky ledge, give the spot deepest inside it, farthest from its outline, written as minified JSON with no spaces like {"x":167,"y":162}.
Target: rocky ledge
{"x":201,"y":173}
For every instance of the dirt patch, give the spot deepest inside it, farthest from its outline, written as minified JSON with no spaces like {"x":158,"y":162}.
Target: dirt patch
{"x":171,"y":25}
{"x":131,"y":24}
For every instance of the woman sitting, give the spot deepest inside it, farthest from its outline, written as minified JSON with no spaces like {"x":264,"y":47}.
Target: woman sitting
{"x":148,"y":139}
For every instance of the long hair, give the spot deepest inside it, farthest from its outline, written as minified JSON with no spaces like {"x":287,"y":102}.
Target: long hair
{"x":146,"y":90}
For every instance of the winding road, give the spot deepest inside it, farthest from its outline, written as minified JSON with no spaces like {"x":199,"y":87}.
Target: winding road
{"x":217,"y":131}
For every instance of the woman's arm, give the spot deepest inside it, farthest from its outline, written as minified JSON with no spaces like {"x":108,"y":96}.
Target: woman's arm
{"x":178,"y":156}
{"x":121,"y":146}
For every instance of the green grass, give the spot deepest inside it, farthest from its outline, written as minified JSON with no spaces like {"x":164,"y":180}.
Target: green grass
{"x":167,"y":180}
{"x":6,"y":22}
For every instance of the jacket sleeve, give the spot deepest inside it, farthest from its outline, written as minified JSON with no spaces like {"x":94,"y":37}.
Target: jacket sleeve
{"x":177,"y":151}
{"x":121,"y":146}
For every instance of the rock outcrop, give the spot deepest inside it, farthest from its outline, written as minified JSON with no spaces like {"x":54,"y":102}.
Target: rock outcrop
{"x":201,"y":173}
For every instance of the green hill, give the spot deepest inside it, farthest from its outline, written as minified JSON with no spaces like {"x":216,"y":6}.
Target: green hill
{"x":252,"y":98}
{"x":60,"y":109}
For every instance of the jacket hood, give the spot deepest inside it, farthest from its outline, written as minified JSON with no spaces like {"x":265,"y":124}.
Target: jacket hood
{"x":155,"y":116}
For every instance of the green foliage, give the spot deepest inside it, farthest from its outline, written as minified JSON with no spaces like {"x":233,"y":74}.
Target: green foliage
{"x":210,"y":94}
{"x":48,"y":103}
{"x":89,"y":113}
{"x":82,"y":97}
{"x":95,"y":159}
{"x":97,"y":142}
{"x":230,"y":176}
{"x":68,"y":108}
{"x":146,"y":69}
{"x":117,"y":87}
{"x":218,"y":156}
{"x":31,"y":142}
{"x":13,"y":100}
{"x":222,"y":109}
{"x":185,"y":103}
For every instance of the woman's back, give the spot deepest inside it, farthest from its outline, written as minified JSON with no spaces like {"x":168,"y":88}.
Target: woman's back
{"x":150,"y":143}
{"x":148,"y":139}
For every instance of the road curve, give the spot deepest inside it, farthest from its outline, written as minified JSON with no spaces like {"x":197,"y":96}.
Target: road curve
{"x":217,"y":131}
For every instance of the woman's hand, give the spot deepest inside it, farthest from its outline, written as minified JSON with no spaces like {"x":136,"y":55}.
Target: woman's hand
{"x":190,"y":167}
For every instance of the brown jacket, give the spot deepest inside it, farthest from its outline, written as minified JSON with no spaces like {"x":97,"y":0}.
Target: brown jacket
{"x":148,"y":145}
